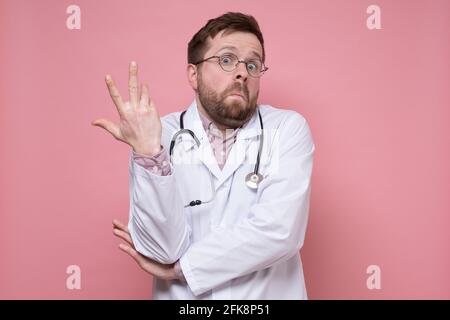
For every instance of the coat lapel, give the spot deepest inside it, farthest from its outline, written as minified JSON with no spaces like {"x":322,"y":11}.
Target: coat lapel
{"x":246,"y":141}
{"x":205,"y":154}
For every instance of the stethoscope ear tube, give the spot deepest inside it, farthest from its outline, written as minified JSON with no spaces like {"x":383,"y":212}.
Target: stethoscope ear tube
{"x":175,"y":136}
{"x":253,"y":179}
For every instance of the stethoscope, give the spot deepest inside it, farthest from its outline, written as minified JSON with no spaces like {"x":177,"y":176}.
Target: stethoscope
{"x":252,"y":180}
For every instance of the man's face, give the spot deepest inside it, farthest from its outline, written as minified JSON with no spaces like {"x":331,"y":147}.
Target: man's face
{"x":229,"y":98}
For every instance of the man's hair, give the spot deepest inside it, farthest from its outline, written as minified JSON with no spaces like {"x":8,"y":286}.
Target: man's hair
{"x":230,"y":22}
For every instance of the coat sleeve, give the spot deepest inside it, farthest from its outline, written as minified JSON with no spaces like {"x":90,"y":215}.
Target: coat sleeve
{"x":157,"y":223}
{"x":275,"y":227}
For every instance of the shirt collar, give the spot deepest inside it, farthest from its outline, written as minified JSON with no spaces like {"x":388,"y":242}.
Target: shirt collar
{"x":194,"y":123}
{"x":211,"y":128}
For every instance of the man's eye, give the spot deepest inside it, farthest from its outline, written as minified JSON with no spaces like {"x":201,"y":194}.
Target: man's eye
{"x":226,"y":60}
{"x":252,"y":66}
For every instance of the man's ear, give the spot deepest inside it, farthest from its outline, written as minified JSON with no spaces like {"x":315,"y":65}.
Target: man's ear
{"x":192,"y":75}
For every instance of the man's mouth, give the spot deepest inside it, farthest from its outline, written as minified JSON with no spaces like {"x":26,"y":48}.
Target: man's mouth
{"x":237,"y":94}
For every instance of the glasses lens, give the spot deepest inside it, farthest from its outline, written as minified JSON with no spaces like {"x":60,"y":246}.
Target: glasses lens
{"x":254,"y":68}
{"x":228,"y":61}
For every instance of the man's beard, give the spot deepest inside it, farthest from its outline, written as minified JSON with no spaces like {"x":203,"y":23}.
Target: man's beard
{"x":229,"y":114}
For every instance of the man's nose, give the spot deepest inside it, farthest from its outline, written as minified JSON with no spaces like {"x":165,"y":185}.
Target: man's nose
{"x":241,"y":73}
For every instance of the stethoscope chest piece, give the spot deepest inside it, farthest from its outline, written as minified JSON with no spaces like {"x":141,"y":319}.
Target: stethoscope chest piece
{"x":252,"y":180}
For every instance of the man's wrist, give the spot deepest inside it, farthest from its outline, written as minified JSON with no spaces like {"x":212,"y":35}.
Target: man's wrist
{"x":178,"y":271}
{"x":150,"y":152}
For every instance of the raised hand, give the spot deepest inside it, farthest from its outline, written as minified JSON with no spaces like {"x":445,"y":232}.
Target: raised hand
{"x":139,"y":125}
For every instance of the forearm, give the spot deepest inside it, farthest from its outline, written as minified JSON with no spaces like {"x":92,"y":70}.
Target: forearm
{"x":157,"y":223}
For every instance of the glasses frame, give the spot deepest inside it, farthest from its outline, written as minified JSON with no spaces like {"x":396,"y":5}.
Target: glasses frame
{"x":261,"y":73}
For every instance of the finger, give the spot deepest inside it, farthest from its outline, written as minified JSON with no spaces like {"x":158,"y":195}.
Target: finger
{"x":114,"y":93}
{"x":133,"y":253}
{"x":120,"y":225}
{"x":152,"y":105}
{"x":133,"y":84}
{"x":108,"y":126}
{"x":144,"y":96}
{"x":124,"y":236}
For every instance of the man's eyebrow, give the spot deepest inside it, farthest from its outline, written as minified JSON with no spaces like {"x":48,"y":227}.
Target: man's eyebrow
{"x":233,"y":48}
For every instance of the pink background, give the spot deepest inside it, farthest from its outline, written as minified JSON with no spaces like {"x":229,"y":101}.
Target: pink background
{"x":377,"y":102}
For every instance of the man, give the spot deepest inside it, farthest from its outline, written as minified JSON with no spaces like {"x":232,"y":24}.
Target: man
{"x":217,"y":210}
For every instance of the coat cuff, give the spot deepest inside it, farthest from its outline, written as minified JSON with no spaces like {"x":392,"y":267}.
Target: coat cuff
{"x":189,"y":276}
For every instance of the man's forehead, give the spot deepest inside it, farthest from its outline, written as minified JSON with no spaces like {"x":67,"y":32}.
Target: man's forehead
{"x":241,"y":42}
{"x":231,"y":48}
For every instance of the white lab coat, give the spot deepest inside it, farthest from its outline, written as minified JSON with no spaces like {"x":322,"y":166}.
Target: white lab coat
{"x":245,"y":244}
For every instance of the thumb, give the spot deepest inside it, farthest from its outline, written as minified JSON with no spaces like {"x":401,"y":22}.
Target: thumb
{"x":108,"y":126}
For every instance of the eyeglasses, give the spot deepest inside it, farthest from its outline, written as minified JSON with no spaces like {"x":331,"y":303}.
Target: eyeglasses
{"x":229,"y":62}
